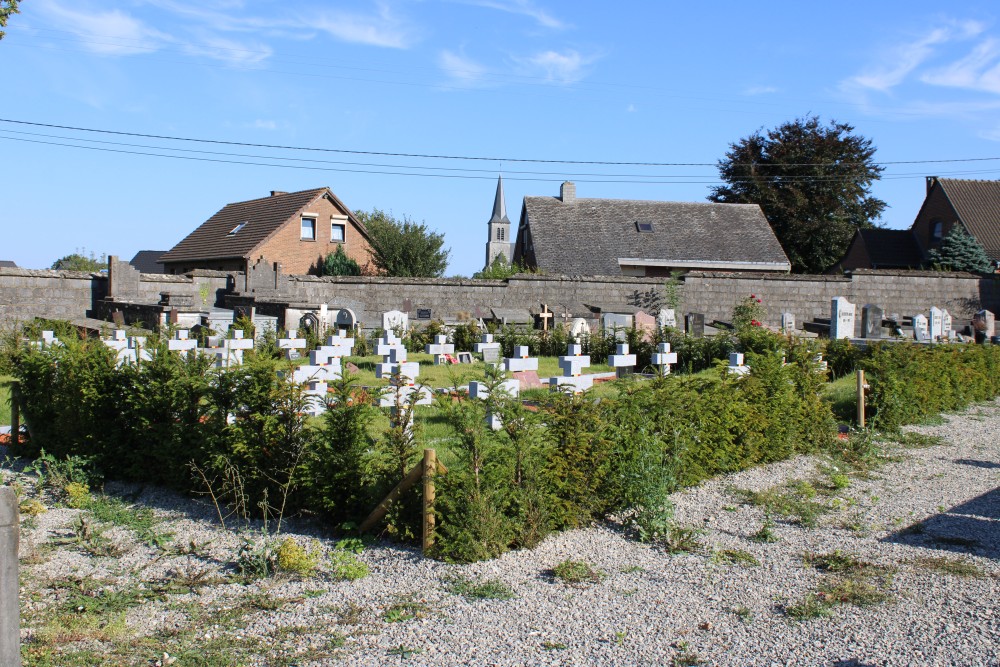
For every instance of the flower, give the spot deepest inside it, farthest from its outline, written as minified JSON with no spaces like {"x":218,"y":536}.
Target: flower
{"x":759,"y":301}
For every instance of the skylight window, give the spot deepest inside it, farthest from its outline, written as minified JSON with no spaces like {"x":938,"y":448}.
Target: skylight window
{"x":238,"y":227}
{"x":645,"y":227}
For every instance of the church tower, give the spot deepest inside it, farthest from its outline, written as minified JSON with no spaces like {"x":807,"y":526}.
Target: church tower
{"x":499,"y":241}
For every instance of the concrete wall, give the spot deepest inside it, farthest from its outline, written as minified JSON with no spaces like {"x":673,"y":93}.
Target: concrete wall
{"x":67,"y":295}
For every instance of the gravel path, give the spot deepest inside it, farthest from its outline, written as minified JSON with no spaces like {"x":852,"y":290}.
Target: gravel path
{"x":651,"y":608}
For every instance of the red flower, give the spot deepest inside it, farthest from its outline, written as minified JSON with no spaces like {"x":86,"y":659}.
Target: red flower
{"x":758,"y":301}
{"x":753,"y":296}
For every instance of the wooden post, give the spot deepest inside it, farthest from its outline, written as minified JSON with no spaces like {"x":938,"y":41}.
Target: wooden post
{"x":10,"y":609}
{"x":383,"y":507}
{"x":861,"y":398}
{"x":430,"y":469}
{"x":15,"y":419}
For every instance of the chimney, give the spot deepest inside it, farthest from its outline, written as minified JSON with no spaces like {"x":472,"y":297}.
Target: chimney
{"x":277,"y":193}
{"x":567,"y":192}
{"x":931,"y":180}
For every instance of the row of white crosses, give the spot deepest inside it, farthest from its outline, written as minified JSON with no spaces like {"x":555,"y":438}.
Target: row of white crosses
{"x":130,"y":349}
{"x":441,"y":349}
{"x":393,"y":354}
{"x":572,"y":365}
{"x":325,"y":364}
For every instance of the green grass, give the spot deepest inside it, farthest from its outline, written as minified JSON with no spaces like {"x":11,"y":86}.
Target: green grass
{"x":735,"y":557}
{"x":795,"y":500}
{"x":958,"y":567}
{"x":842,"y":395}
{"x":577,"y":572}
{"x":142,"y":520}
{"x":4,"y":400}
{"x":472,"y":589}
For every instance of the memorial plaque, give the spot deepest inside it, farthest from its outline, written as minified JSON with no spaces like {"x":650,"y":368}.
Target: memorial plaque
{"x":423,"y":313}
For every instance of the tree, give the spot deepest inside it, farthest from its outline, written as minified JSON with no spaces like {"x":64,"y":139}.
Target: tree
{"x":813,"y":183}
{"x":337,"y":263}
{"x":404,"y":248}
{"x":959,"y":251}
{"x":7,"y":9}
{"x":500,"y":269}
{"x":80,"y":262}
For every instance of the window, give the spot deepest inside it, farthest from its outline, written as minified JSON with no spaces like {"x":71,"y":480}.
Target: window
{"x":936,"y":229}
{"x":238,"y":228}
{"x":644,"y":227}
{"x":308,"y":229}
{"x":500,"y":234}
{"x":338,"y":232}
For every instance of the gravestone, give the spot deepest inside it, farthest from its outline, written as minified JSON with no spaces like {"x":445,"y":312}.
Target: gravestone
{"x":946,"y":325}
{"x":663,"y":358}
{"x":488,"y":348}
{"x":181,"y":342}
{"x":491,"y":355}
{"x":788,"y":322}
{"x":842,"y":314}
{"x":123,"y":280}
{"x":736,"y":366}
{"x":528,"y":379}
{"x":871,"y":321}
{"x":984,"y":326}
{"x":646,"y":324}
{"x":572,"y":365}
{"x":464,"y":357}
{"x":291,"y":346}
{"x":667,"y":318}
{"x":615,"y":321}
{"x":395,"y":320}
{"x":935,"y":321}
{"x":346,"y":319}
{"x":694,"y":324}
{"x":621,"y":360}
{"x":921,"y":332}
{"x":579,"y":328}
{"x":441,"y":349}
{"x":520,"y":361}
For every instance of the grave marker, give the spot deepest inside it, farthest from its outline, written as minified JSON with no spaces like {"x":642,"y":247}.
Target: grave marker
{"x":871,"y":321}
{"x":663,"y":358}
{"x":842,"y":314}
{"x":667,"y":318}
{"x":395,"y":320}
{"x":936,"y":324}
{"x":984,"y":325}
{"x":441,"y":349}
{"x":736,"y":366}
{"x":920,"y":329}
{"x":694,"y":324}
{"x":621,"y":360}
{"x":788,"y":322}
{"x":520,"y":361}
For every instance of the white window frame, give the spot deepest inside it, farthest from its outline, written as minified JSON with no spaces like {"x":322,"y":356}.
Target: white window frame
{"x":302,"y":227}
{"x":338,"y":221}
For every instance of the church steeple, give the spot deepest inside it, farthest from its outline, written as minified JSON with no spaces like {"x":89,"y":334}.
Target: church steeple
{"x":499,"y":241}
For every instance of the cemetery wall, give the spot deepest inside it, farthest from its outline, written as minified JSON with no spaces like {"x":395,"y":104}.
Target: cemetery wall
{"x":29,"y":293}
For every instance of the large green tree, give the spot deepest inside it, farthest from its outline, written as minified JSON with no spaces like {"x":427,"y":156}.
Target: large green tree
{"x":403,"y":247}
{"x":959,"y":251}
{"x":80,"y":262}
{"x":813,"y":182}
{"x":337,"y":263}
{"x":7,"y":8}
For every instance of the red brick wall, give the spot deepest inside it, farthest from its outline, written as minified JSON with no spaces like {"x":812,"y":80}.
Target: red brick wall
{"x":857,"y":255}
{"x":299,"y":257}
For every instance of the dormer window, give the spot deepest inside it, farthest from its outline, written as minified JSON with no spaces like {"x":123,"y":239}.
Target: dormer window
{"x":644,"y":227}
{"x":238,"y":227}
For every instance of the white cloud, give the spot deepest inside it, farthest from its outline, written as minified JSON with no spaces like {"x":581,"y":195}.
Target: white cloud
{"x":523,"y":8}
{"x":760,"y":90}
{"x":462,"y":70}
{"x":108,"y":33}
{"x":980,"y":70}
{"x":566,"y":67}
{"x":229,"y":51}
{"x":383,"y":29}
{"x":901,"y":60}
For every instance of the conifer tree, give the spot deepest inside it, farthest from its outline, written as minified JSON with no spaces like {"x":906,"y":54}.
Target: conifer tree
{"x":339,"y":264}
{"x":959,"y":251}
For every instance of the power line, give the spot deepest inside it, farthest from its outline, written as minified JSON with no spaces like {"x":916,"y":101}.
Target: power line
{"x":431,"y":156}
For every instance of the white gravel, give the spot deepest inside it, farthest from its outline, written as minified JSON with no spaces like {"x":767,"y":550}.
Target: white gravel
{"x":652,"y":607}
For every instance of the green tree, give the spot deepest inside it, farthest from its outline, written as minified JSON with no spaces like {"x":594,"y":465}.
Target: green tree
{"x":7,"y":8}
{"x":813,"y":183}
{"x":405,"y":248}
{"x":80,"y":262}
{"x":959,"y":251}
{"x":500,"y":269}
{"x":337,"y":263}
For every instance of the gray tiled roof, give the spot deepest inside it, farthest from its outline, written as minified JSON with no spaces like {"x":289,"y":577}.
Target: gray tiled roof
{"x":7,"y":264}
{"x":589,"y":236}
{"x":977,"y":204}
{"x":891,"y":248}
{"x":264,"y":216}
{"x":148,"y":261}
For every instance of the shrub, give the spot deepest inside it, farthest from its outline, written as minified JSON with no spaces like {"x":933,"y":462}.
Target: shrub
{"x":257,"y":558}
{"x":297,"y":559}
{"x":345,"y":566}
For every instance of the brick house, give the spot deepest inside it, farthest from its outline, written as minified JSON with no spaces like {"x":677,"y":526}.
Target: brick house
{"x":975,"y":205}
{"x":297,"y":229}
{"x":620,"y":237}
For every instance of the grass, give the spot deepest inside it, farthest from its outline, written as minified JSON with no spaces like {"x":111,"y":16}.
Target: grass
{"x":795,"y":500}
{"x":842,"y":395}
{"x":735,"y":557}
{"x":848,"y":581}
{"x":957,"y":567}
{"x":577,"y":573}
{"x":142,"y":520}
{"x":405,"y":610}
{"x":5,"y":399}
{"x":682,"y":539}
{"x":471,"y":589}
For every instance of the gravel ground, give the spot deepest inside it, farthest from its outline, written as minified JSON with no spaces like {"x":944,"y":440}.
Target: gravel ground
{"x":651,"y":608}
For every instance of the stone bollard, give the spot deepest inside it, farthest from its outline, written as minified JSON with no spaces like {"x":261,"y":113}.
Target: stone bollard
{"x":10,"y":610}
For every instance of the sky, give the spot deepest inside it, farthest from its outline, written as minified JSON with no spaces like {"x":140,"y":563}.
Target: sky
{"x":415,"y":106}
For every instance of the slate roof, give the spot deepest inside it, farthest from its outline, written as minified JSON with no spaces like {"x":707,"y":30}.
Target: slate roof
{"x":148,"y":261}
{"x":264,"y":216}
{"x":589,"y":236}
{"x":891,"y":248}
{"x":977,"y":204}
{"x":7,"y":264}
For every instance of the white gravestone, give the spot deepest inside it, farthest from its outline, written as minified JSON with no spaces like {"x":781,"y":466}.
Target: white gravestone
{"x":440,"y":348}
{"x":579,"y":328}
{"x":736,"y":366}
{"x":572,"y":366}
{"x":663,"y":358}
{"x":921,"y":332}
{"x":935,"y":323}
{"x":667,"y":318}
{"x":842,"y":314}
{"x":788,"y":322}
{"x":395,"y":320}
{"x":946,"y":325}
{"x":621,"y":359}
{"x":520,"y":361}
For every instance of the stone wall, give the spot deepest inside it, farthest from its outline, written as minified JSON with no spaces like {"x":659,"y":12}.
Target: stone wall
{"x":28,"y":293}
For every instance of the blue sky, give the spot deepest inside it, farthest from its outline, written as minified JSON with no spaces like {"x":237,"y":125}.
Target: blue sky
{"x":505,"y":80}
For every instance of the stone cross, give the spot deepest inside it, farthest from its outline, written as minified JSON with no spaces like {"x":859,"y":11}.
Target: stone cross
{"x":663,"y":358}
{"x":736,"y":366}
{"x":572,"y":365}
{"x":621,"y":360}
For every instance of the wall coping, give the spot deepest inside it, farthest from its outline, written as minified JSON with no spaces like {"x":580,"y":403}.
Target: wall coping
{"x":50,"y":273}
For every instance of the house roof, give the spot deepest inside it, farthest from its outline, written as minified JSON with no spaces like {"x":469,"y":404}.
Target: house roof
{"x":598,"y":236}
{"x":264,"y":216}
{"x":891,"y":248}
{"x":977,"y":204}
{"x":7,"y":264}
{"x":148,"y":261}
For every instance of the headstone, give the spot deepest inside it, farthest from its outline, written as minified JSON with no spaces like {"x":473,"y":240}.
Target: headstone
{"x":528,"y":379}
{"x":984,"y":325}
{"x":842,"y":314}
{"x":441,"y":349}
{"x":694,"y":324}
{"x":646,"y":324}
{"x":667,"y":318}
{"x":663,"y":358}
{"x":346,"y":319}
{"x":621,"y":360}
{"x":479,"y":389}
{"x":935,"y":321}
{"x":464,"y":357}
{"x":395,"y":320}
{"x":921,"y":332}
{"x":788,"y":322}
{"x":616,"y":321}
{"x":579,"y":328}
{"x":572,"y":365}
{"x":946,"y":325}
{"x":491,"y":355}
{"x":736,"y":366}
{"x":181,"y":342}
{"x":520,"y":361}
{"x":488,"y":348}
{"x":871,"y":321}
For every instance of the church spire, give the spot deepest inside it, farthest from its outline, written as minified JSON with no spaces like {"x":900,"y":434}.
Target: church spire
{"x":499,"y":205}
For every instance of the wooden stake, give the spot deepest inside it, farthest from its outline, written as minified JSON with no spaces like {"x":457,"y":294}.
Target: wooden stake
{"x":861,"y":398}
{"x":430,"y":469}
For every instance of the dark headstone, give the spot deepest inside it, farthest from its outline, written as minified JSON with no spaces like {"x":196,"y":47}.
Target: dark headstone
{"x":346,"y":319}
{"x":118,"y":317}
{"x":123,"y":280}
{"x":694,"y":324}
{"x":871,"y":321}
{"x":464,"y":357}
{"x":491,"y":354}
{"x":423,"y":313}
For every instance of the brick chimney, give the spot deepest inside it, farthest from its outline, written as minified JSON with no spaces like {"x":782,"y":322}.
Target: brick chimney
{"x":277,"y":193}
{"x":931,"y":180}
{"x":567,"y":192}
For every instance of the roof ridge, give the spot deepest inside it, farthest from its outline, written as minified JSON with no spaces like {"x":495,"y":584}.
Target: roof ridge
{"x":641,"y":201}
{"x":970,"y":180}
{"x":270,"y":197}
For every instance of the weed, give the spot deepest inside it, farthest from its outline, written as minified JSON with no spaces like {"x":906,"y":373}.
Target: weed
{"x":77,"y":495}
{"x":735,"y":557}
{"x":857,"y":590}
{"x":743,"y":613}
{"x":577,"y":573}
{"x":297,"y":559}
{"x":812,"y":606}
{"x":257,"y":558}
{"x":766,"y":531}
{"x":313,"y":593}
{"x":189,"y":579}
{"x":729,"y":508}
{"x":554,"y":646}
{"x":489,"y":589}
{"x":794,"y":500}
{"x":90,"y":539}
{"x":912,"y":440}
{"x":682,"y":539}
{"x":620,"y":637}
{"x":350,"y":614}
{"x":263,"y":602}
{"x":685,"y":657}
{"x":404,"y":652}
{"x":31,"y":508}
{"x":839,"y":481}
{"x":405,"y":610}
{"x":837,"y":561}
{"x":141,"y":520}
{"x":345,"y":565}
{"x":959,"y":567}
